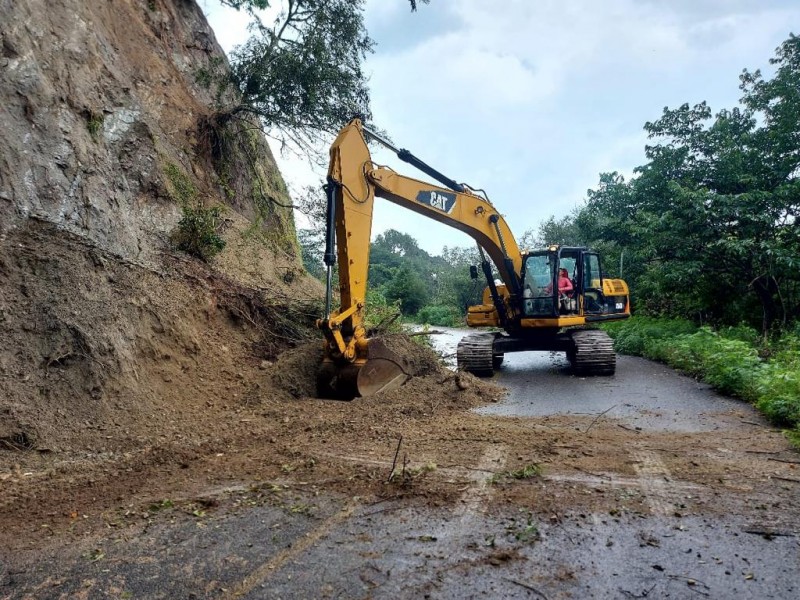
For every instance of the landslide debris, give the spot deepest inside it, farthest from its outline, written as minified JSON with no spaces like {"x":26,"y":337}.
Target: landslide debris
{"x":293,"y":375}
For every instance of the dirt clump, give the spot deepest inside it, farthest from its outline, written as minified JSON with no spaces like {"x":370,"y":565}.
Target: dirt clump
{"x":293,"y":374}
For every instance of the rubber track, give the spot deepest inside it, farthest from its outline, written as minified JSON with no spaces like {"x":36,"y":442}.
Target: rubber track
{"x":593,"y":352}
{"x":474,"y":354}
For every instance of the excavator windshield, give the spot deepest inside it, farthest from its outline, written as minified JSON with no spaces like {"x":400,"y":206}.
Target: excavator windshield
{"x":545,"y":293}
{"x":539,"y":274}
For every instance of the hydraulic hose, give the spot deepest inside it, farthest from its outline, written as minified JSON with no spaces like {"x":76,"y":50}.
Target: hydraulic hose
{"x":330,"y":243}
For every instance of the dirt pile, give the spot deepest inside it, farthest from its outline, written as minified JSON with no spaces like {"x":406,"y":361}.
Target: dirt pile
{"x":293,"y":375}
{"x":192,"y":405}
{"x":103,"y":355}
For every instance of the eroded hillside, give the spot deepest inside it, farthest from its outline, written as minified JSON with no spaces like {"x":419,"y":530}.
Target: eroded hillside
{"x":111,"y":339}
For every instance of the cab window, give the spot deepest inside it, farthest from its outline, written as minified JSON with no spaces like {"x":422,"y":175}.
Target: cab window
{"x":591,"y":272}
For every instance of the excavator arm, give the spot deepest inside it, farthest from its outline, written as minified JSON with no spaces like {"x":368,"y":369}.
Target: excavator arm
{"x":354,"y":365}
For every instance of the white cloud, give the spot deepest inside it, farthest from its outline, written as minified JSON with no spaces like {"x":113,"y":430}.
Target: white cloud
{"x":532,"y":99}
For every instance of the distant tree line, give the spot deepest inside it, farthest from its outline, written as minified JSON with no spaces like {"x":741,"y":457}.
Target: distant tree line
{"x":431,"y":289}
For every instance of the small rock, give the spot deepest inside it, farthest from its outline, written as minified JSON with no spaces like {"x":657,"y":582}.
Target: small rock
{"x":462,"y":382}
{"x":265,"y":364}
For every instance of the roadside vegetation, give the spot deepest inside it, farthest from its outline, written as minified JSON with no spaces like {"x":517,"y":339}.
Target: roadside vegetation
{"x":736,"y":361}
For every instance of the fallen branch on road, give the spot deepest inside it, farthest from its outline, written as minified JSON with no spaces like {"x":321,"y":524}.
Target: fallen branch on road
{"x":770,"y":533}
{"x":394,"y":462}
{"x":598,"y":416}
{"x":527,"y":587}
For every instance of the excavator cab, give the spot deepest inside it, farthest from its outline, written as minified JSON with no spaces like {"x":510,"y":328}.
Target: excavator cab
{"x":547,"y":294}
{"x":588,"y":294}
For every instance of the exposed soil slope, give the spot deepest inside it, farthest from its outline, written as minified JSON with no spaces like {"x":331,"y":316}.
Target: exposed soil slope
{"x":116,"y":348}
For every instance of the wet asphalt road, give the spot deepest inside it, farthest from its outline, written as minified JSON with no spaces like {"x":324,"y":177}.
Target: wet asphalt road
{"x":347,"y":548}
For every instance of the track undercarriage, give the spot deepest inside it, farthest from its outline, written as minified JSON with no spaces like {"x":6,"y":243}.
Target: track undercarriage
{"x":589,"y":351}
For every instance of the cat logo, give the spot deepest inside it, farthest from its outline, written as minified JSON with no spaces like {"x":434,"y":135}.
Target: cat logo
{"x":443,"y":201}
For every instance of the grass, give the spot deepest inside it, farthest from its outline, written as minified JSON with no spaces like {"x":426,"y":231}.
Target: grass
{"x":527,"y":472}
{"x":162,"y":505}
{"x":94,"y":123}
{"x":735,"y":361}
{"x":525,"y":532}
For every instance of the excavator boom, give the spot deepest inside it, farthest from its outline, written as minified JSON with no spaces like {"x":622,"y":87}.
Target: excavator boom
{"x":354,"y":181}
{"x":354,"y":364}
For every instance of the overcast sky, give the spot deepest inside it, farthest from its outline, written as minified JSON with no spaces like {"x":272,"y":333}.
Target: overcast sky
{"x":532,"y":99}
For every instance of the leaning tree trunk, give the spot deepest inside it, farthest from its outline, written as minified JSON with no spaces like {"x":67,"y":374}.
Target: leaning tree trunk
{"x":764,"y":286}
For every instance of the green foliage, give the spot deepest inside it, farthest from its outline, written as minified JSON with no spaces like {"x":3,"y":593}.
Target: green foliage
{"x":407,"y":288}
{"x":525,"y":533}
{"x":179,"y":186}
{"x":247,"y":4}
{"x":526,"y":472}
{"x":94,"y":123}
{"x":778,"y":386}
{"x":707,"y":228}
{"x":529,"y":471}
{"x":162,"y":505}
{"x":730,"y":360}
{"x":564,"y":232}
{"x":442,"y":315}
{"x":302,"y":74}
{"x":380,"y":311}
{"x":198,"y":231}
{"x":311,"y":252}
{"x":404,"y":271}
{"x":634,"y":335}
{"x":215,"y":72}
{"x":312,"y":202}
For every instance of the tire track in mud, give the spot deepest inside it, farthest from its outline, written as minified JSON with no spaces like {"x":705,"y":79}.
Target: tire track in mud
{"x":654,"y":481}
{"x":480,"y":491}
{"x":467,"y":511}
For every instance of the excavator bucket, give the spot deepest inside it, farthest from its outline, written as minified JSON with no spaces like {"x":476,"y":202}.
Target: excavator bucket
{"x":382,"y":371}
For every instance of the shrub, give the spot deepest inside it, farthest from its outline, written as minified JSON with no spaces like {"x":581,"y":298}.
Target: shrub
{"x":382,"y":312}
{"x":198,"y":231}
{"x":631,"y":336}
{"x":441,"y":315}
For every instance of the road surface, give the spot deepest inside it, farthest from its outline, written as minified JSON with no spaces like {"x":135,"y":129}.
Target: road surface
{"x":649,"y":485}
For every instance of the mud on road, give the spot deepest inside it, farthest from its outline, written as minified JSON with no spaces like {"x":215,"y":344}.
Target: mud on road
{"x":646,"y":484}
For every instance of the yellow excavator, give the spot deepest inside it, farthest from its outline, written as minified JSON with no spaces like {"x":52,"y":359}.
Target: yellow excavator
{"x":544,"y":300}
